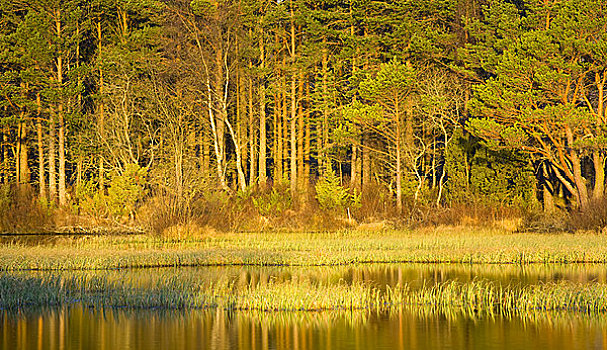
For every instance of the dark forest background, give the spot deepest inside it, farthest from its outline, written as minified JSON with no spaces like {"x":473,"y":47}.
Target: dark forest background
{"x":247,"y":115}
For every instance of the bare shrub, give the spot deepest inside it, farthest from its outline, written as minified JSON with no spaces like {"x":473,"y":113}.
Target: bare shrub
{"x":21,"y":211}
{"x":593,"y":218}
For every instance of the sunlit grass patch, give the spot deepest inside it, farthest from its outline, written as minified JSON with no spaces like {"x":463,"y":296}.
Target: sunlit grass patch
{"x":447,"y":245}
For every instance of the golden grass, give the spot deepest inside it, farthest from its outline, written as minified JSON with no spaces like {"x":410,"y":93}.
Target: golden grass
{"x":478,"y":297}
{"x":442,"y":245}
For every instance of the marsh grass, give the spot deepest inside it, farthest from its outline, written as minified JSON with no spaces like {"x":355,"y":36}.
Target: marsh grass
{"x":479,"y":297}
{"x":445,"y":245}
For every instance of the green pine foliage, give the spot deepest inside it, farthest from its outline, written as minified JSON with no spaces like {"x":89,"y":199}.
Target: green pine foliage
{"x":478,"y":174}
{"x":331,"y":195}
{"x":432,"y":101}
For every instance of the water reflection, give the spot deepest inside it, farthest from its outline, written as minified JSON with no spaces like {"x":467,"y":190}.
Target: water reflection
{"x":82,"y":328}
{"x":378,"y":275}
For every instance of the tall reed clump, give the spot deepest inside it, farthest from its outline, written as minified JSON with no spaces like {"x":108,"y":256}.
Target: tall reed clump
{"x":472,"y":298}
{"x":489,"y":298}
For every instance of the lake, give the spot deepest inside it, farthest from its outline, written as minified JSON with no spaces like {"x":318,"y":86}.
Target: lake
{"x":82,"y":327}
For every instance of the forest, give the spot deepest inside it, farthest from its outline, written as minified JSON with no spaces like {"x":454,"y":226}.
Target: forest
{"x":256,"y":114}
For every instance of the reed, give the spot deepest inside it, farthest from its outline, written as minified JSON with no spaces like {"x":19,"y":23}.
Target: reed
{"x":479,"y":297}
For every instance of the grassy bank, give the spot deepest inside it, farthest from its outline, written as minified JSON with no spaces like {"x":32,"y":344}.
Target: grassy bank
{"x":443,"y":245}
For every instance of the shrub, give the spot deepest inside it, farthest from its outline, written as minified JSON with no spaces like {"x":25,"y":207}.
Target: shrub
{"x":126,"y":190}
{"x":21,"y":212}
{"x":89,"y":200}
{"x":332,"y":196}
{"x":275,"y":202}
{"x":594,"y":217}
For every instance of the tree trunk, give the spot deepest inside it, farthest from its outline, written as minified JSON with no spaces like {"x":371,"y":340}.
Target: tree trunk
{"x":41,"y":178}
{"x":24,"y":171}
{"x":262,"y":114}
{"x":62,"y":175}
{"x":323,"y":133}
{"x":239,"y":147}
{"x":366,"y":163}
{"x":293,"y":110}
{"x":547,"y":194}
{"x":599,"y":175}
{"x":578,"y":179}
{"x":300,"y":137}
{"x":100,"y":112}
{"x":285,"y":133}
{"x":307,"y":150}
{"x":277,"y":139}
{"x":52,"y":171}
{"x":5,"y":162}
{"x":62,"y":182}
{"x":205,"y":151}
{"x":399,"y":176}
{"x":293,"y":138}
{"x":252,"y":136}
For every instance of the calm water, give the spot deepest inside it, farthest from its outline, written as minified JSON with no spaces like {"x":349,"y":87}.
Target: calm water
{"x":78,"y":328}
{"x":82,"y":328}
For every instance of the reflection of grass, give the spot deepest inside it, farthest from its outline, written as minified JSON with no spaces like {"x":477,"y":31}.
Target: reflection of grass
{"x":472,"y":298}
{"x":337,"y":248}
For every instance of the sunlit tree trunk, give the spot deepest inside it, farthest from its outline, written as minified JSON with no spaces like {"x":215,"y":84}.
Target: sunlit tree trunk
{"x":277,"y":138}
{"x":262,"y":113}
{"x":252,"y":135}
{"x":100,"y":110}
{"x":52,"y":162}
{"x":41,"y":172}
{"x":60,"y":115}
{"x":19,"y":148}
{"x":300,"y":137}
{"x":293,"y":111}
